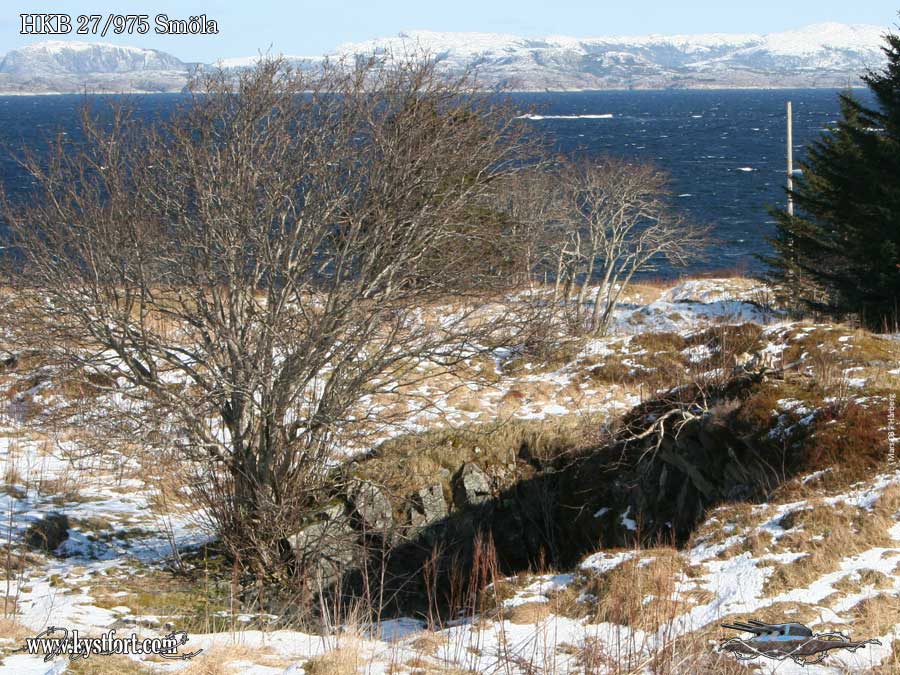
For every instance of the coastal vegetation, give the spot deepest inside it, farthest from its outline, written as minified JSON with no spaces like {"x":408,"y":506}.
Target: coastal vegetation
{"x":840,"y":253}
{"x":347,"y":373}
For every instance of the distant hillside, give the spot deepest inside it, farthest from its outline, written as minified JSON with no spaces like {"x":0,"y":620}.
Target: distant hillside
{"x":73,"y":66}
{"x":821,"y":55}
{"x":72,"y":58}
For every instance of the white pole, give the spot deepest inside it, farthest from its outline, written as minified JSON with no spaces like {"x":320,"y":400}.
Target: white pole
{"x":790,"y":158}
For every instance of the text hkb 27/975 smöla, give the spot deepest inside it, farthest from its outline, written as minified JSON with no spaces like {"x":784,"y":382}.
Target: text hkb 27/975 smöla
{"x":117,"y":24}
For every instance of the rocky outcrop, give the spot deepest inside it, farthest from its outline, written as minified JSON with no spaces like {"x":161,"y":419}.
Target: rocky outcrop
{"x":428,"y":506}
{"x":660,"y":486}
{"x":372,"y":508}
{"x":471,"y":486}
{"x":673,"y":458}
{"x":327,"y":546}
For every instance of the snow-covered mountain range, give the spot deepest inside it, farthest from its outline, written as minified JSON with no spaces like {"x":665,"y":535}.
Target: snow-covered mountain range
{"x":826,"y":54}
{"x":69,"y":66}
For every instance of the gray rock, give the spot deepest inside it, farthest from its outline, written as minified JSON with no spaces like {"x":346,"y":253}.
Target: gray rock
{"x":434,"y":506}
{"x":429,"y":506}
{"x":372,"y":507}
{"x":471,"y":486}
{"x":326,"y":548}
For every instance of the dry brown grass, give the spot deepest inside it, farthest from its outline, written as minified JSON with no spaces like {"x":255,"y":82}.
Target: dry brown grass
{"x":480,"y":370}
{"x":888,"y":503}
{"x":726,"y":342}
{"x":167,"y":480}
{"x":228,"y":659}
{"x":614,"y":370}
{"x":537,"y":392}
{"x":726,"y":521}
{"x":849,"y":438}
{"x":568,"y":601}
{"x":660,"y":343}
{"x":110,"y":665}
{"x":346,"y":659}
{"x":876,"y":615}
{"x":13,"y":631}
{"x":801,"y":487}
{"x":428,"y":642}
{"x":839,"y":345}
{"x":543,"y":355}
{"x":880,"y":379}
{"x":890,"y":665}
{"x":647,"y":291}
{"x":835,"y":481}
{"x":194,"y":603}
{"x":868,"y":577}
{"x":19,"y":386}
{"x":528,"y":613}
{"x":755,"y":542}
{"x":419,"y":666}
{"x":826,"y":352}
{"x":694,"y":652}
{"x":690,"y":653}
{"x":511,"y":401}
{"x":827,"y":534}
{"x":698,"y":596}
{"x":846,"y":439}
{"x":410,"y":462}
{"x":758,"y":413}
{"x":213,"y":663}
{"x":640,"y":592}
{"x":79,"y":385}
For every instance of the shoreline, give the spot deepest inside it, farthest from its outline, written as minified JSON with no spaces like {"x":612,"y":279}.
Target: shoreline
{"x":511,"y":91}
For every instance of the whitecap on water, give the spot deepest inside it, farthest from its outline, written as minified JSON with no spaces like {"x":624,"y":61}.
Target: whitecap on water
{"x":604,"y":116}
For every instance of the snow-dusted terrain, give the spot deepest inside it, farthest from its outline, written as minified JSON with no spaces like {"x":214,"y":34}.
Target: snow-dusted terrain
{"x":826,"y":54}
{"x":57,"y":66}
{"x":814,"y":55}
{"x":57,"y":57}
{"x":743,"y":561}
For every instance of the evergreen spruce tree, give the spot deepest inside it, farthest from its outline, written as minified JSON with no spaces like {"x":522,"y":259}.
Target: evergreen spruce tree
{"x":840,"y":253}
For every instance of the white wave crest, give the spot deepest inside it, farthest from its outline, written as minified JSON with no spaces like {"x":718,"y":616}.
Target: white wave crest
{"x":605,"y":116}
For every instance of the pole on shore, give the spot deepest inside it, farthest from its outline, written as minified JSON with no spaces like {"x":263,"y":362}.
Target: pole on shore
{"x":790,"y":158}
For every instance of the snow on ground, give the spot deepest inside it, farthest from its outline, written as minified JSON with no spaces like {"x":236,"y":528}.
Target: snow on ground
{"x":118,"y":527}
{"x":685,"y":307}
{"x":114,"y":527}
{"x":696,"y":303}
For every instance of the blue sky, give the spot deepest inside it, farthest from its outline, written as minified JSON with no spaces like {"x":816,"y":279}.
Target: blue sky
{"x":315,"y":26}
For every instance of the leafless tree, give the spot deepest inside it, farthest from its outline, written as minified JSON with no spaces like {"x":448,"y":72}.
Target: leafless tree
{"x":242,"y":275}
{"x":619,"y":224}
{"x":533,"y":202}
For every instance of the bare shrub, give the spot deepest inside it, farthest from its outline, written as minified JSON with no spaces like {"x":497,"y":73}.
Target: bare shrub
{"x":619,"y":223}
{"x":248,"y":270}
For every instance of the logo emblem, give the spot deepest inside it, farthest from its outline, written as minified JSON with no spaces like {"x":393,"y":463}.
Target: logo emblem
{"x":781,"y":641}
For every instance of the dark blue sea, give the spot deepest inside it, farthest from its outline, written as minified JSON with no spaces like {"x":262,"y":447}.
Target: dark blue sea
{"x":724,"y":150}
